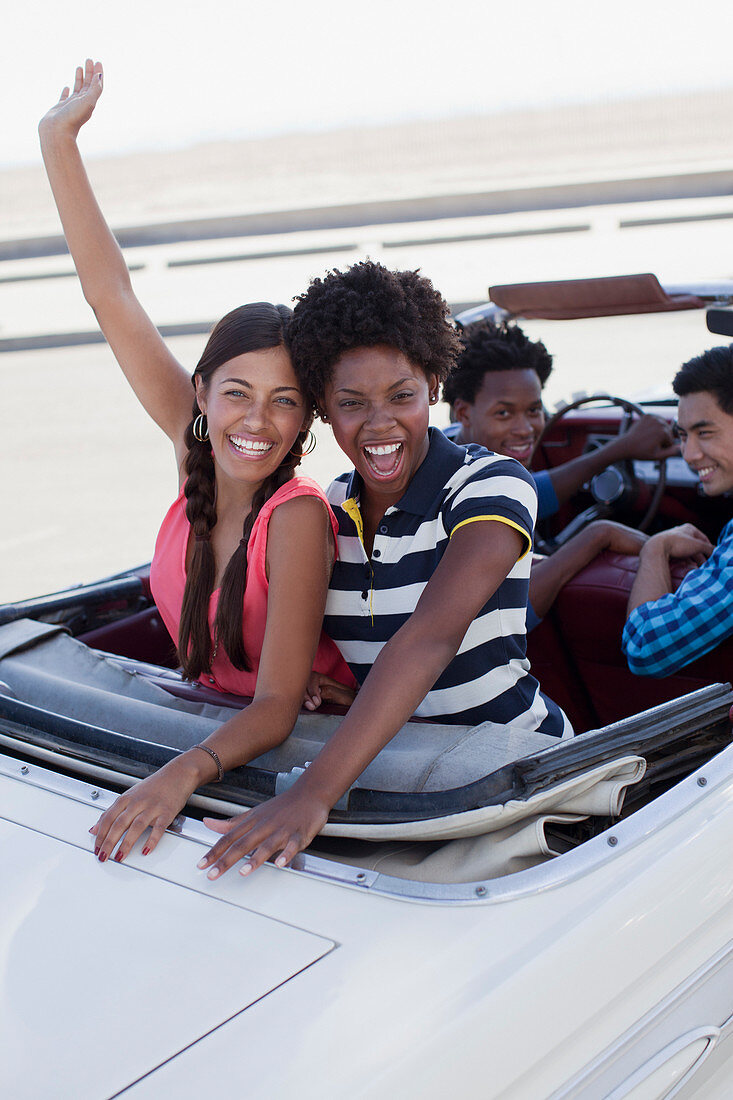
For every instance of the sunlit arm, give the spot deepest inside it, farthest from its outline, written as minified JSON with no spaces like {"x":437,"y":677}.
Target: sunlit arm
{"x":299,"y":561}
{"x":414,"y":658}
{"x":160,"y":383}
{"x":477,"y":560}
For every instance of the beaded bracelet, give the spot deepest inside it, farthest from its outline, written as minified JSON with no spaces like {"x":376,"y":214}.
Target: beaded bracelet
{"x":215,"y":758}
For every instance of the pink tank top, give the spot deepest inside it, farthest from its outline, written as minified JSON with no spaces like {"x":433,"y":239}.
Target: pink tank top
{"x":168,"y":579}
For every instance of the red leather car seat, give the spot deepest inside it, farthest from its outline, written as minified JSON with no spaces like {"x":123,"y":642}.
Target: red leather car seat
{"x":588,"y":620}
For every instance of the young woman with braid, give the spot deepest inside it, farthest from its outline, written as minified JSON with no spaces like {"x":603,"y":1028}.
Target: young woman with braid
{"x":244,"y":556}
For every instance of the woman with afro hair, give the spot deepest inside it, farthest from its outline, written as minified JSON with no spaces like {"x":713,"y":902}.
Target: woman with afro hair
{"x":427,"y":601}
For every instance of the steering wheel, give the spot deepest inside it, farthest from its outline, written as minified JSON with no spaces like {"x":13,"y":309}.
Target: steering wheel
{"x":617,"y":485}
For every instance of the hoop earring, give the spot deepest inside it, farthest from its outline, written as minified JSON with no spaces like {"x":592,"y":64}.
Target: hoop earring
{"x":310,"y":447}
{"x":200,"y":428}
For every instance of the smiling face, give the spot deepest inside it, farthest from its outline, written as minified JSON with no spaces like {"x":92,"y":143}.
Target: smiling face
{"x":706,"y":435}
{"x":255,"y":410}
{"x":378,"y":403}
{"x":506,"y":415}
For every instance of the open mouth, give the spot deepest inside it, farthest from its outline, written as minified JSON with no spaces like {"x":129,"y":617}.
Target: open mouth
{"x":520,"y":452}
{"x":250,"y":448}
{"x":383,"y":458}
{"x":705,"y":472}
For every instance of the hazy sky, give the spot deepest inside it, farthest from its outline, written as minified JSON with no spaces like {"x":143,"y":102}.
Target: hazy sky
{"x":179,"y":71}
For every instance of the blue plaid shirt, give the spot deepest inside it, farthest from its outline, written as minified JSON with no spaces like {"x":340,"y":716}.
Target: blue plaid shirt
{"x":664,"y":635}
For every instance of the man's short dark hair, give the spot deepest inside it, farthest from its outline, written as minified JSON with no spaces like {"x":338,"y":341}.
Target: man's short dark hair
{"x":711,"y":372}
{"x":365,"y":306}
{"x":491,"y":347}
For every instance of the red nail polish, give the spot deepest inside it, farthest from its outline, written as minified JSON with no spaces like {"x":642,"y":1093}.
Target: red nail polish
{"x":102,"y":857}
{"x":145,"y":851}
{"x":96,"y":850}
{"x":118,"y":857}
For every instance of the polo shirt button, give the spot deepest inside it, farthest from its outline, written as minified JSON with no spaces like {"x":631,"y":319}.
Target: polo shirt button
{"x":211,"y":679}
{"x":377,"y":553}
{"x":365,"y":595}
{"x":384,"y":529}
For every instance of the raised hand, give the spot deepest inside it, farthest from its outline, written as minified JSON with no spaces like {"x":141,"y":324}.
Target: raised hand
{"x":74,"y":108}
{"x":161,"y":383}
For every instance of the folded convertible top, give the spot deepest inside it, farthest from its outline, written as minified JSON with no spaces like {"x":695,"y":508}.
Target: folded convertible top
{"x":432,"y":781}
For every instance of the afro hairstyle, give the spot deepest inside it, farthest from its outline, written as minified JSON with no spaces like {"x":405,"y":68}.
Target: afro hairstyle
{"x":365,"y":306}
{"x":487,"y":346}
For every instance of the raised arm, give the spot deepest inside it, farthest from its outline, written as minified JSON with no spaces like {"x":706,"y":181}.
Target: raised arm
{"x":477,"y":560}
{"x":160,"y":383}
{"x":299,"y":559}
{"x":648,"y":438}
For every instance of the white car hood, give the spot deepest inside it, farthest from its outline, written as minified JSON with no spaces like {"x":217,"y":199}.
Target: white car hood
{"x":82,"y":944}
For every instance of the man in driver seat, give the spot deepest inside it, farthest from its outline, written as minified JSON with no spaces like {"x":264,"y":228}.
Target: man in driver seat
{"x":667,"y":629}
{"x":496,"y":395}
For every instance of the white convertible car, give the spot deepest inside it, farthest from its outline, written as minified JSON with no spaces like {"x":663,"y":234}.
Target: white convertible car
{"x":524,"y":920}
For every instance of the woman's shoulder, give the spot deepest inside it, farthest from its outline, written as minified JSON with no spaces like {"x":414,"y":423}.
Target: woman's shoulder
{"x":294,"y":519}
{"x":297,"y":487}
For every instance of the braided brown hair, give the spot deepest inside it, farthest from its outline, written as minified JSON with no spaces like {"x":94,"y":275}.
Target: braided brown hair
{"x":248,"y":328}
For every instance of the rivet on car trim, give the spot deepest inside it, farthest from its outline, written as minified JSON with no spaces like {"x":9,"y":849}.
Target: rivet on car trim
{"x":613,"y":841}
{"x":361,"y":877}
{"x":24,"y":770}
{"x":480,"y":891}
{"x":95,"y":795}
{"x":702,"y":781}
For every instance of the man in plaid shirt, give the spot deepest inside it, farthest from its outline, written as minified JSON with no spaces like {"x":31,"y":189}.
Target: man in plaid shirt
{"x":665,"y":629}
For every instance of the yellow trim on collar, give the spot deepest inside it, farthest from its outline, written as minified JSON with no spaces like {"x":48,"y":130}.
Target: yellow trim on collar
{"x":351,"y":507}
{"x":497,"y":519}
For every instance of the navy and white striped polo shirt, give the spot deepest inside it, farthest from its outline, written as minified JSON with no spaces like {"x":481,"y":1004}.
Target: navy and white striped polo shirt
{"x":370,"y":599}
